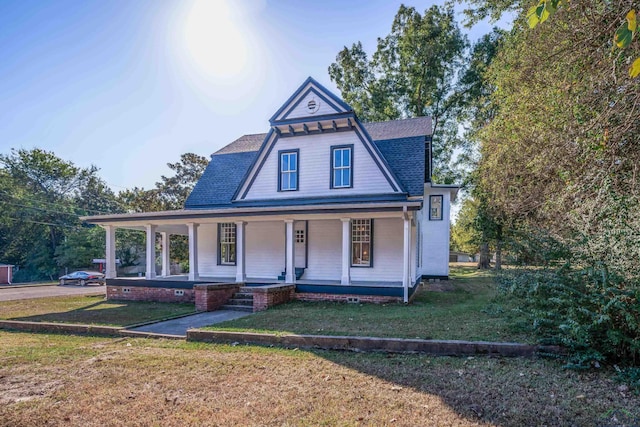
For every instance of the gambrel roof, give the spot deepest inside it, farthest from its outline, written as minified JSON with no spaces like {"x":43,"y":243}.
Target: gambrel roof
{"x":400,"y":142}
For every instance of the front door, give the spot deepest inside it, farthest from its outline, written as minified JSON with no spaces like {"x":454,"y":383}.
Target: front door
{"x":300,"y":245}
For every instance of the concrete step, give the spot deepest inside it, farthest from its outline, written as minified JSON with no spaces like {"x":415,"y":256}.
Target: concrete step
{"x":248,"y":308}
{"x":246,"y":289}
{"x":240,"y":301}
{"x":243,"y":295}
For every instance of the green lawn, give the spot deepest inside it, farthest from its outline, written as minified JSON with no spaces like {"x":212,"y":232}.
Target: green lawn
{"x":89,"y":309}
{"x":464,"y":308}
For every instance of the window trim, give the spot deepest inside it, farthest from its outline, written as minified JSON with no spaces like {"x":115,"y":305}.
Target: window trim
{"x":431,"y":199}
{"x":371,"y":234}
{"x":297,"y":153}
{"x":235,"y":244}
{"x":331,"y":167}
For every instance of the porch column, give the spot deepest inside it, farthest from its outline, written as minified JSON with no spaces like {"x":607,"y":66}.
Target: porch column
{"x":241,"y":276}
{"x":151,"y":251}
{"x":193,"y":251}
{"x":110,"y":259}
{"x":166,"y":261}
{"x":346,"y":251}
{"x":406,"y":257}
{"x":290,"y":276}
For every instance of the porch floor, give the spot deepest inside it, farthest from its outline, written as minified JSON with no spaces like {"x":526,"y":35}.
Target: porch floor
{"x":267,"y":281}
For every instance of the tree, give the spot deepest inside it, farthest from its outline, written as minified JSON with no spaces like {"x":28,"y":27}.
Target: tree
{"x":170,"y":193}
{"x":464,"y":235}
{"x":80,"y":247}
{"x":559,"y":159}
{"x":173,"y":191}
{"x":42,"y":197}
{"x":411,"y":74}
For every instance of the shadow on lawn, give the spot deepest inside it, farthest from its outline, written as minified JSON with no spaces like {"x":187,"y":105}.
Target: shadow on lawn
{"x":505,"y":392}
{"x":112,"y":313}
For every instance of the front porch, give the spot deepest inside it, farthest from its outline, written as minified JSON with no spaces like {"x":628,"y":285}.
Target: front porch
{"x":367,"y":250}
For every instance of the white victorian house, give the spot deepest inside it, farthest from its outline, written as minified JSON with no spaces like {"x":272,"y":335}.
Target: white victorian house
{"x":322,"y":200}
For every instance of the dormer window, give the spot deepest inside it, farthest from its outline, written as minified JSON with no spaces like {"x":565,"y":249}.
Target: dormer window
{"x":288,"y":167}
{"x":342,"y":166}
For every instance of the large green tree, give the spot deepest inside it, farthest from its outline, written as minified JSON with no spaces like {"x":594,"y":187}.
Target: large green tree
{"x":559,"y":158}
{"x":412,"y":73}
{"x":42,"y":198}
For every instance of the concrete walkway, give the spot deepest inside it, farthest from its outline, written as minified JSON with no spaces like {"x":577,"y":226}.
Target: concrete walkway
{"x":179,"y":326}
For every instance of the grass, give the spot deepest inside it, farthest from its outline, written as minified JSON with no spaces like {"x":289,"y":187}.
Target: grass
{"x":465,"y":308}
{"x":89,"y":309}
{"x":84,"y":381}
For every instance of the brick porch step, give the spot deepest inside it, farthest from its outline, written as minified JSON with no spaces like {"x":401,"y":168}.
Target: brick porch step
{"x":241,"y":300}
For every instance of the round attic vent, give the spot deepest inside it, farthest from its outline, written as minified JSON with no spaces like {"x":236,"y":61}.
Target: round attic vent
{"x":313,"y":106}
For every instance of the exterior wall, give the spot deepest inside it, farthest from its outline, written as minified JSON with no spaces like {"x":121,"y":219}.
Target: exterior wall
{"x":324,"y":250}
{"x":140,"y":293}
{"x":5,"y":274}
{"x":435,"y":235}
{"x":377,"y":299}
{"x":265,"y":256}
{"x":265,"y":297}
{"x":314,"y":164}
{"x":388,"y":238}
{"x":210,"y":297}
{"x":208,"y":253}
{"x":301,"y":109}
{"x":413,"y":270}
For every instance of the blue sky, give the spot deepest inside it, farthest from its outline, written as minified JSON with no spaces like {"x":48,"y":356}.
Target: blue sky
{"x":130,"y":85}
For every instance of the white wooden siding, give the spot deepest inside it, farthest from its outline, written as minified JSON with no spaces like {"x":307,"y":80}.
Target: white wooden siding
{"x":265,"y":249}
{"x":208,"y":253}
{"x":325,"y":250}
{"x":435,"y":235}
{"x":302,"y":110}
{"x":314,"y":162}
{"x":388,"y":238}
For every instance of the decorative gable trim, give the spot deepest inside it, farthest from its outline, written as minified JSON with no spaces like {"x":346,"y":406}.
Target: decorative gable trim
{"x":309,"y":86}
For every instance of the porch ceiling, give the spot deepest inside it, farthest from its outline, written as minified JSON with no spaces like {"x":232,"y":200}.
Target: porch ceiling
{"x":178,"y":219}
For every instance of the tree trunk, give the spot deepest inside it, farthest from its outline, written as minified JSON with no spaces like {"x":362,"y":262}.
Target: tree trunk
{"x":483,"y":263}
{"x":498,"y":265}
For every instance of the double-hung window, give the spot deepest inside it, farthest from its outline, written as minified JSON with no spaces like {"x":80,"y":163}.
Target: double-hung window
{"x":342,"y":166}
{"x":288,"y":167}
{"x":361,"y":243}
{"x":227,"y":243}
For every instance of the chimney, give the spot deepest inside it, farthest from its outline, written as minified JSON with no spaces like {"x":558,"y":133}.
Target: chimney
{"x":428,"y":166}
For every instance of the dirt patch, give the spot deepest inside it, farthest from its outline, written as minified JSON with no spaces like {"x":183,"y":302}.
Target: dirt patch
{"x":441,"y":286}
{"x":21,"y":388}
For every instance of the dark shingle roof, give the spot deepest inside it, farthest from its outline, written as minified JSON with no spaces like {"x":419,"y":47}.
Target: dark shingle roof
{"x":401,"y":143}
{"x":219,"y":182}
{"x":420,"y":126}
{"x":405,"y":157}
{"x":243,"y":144}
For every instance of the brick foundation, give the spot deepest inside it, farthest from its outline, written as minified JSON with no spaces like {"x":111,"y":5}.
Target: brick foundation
{"x":269,"y":296}
{"x":211,"y":296}
{"x":141,"y":293}
{"x":376,"y":299}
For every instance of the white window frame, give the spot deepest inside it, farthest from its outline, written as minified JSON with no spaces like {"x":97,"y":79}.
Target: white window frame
{"x":339,"y":169}
{"x":227,"y":238}
{"x":361,"y":237}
